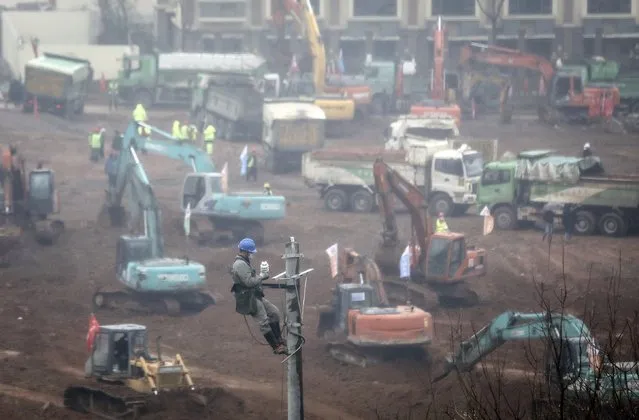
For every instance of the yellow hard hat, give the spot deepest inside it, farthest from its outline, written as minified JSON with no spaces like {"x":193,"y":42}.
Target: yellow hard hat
{"x":267,"y":185}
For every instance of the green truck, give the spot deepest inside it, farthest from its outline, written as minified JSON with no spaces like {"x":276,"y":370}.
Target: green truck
{"x":516,"y":190}
{"x":170,"y":78}
{"x":59,"y":84}
{"x":232,"y":100}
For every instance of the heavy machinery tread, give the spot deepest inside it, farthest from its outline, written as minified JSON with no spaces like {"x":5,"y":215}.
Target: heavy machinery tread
{"x":110,"y":401}
{"x":157,"y":304}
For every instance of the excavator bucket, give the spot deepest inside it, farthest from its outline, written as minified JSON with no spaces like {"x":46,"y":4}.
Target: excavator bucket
{"x":326,"y":323}
{"x":112,"y":216}
{"x":47,"y":232}
{"x":387,"y":258}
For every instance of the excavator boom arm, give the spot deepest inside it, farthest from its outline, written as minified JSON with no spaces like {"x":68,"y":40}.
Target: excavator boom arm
{"x":515,"y":326}
{"x":506,"y":57}
{"x":302,"y":12}
{"x":387,"y":182}
{"x":130,"y":172}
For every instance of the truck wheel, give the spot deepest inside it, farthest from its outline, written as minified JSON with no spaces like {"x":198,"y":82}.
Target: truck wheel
{"x":585,"y":223}
{"x":612,"y":224}
{"x":441,"y":203}
{"x":505,"y":218}
{"x":335,"y":200}
{"x":362,"y":201}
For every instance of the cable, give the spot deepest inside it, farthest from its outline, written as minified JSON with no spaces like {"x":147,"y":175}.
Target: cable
{"x":251,"y":332}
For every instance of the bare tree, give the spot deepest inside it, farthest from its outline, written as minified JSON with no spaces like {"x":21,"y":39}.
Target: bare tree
{"x":492,"y":10}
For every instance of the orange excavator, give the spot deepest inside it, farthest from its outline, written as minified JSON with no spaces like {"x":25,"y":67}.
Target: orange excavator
{"x":369,"y":330}
{"x":438,"y":102}
{"x":440,"y":262}
{"x":563,"y":91}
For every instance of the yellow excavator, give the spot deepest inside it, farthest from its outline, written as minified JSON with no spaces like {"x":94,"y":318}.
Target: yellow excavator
{"x":340,"y":104}
{"x":125,"y":381}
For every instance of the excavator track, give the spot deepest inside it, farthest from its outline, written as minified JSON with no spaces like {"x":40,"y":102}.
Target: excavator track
{"x":174,"y":305}
{"x":351,"y":354}
{"x":453,"y":295}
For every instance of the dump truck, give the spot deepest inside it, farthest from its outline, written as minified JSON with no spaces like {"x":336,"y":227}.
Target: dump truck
{"x":170,"y":78}
{"x":59,"y":83}
{"x":345,"y":180}
{"x":516,"y":191}
{"x":291,"y":128}
{"x":232,"y":100}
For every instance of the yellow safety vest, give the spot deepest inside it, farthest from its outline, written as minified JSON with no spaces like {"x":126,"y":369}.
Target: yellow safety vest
{"x":184,"y":132}
{"x":209,"y":134}
{"x":251,"y":161}
{"x":175,"y":131}
{"x":139,"y":113}
{"x":193,"y":131}
{"x":441,"y":226}
{"x":95,"y":140}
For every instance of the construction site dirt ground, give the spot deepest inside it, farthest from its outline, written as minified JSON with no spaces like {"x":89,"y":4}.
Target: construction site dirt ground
{"x":45,"y":296}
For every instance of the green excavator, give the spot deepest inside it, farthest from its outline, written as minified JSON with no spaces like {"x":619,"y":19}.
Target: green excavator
{"x":573,"y":360}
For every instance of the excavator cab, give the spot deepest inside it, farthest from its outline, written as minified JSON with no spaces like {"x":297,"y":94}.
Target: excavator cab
{"x":114,"y":349}
{"x":447,"y":259}
{"x":198,"y":186}
{"x":41,"y":198}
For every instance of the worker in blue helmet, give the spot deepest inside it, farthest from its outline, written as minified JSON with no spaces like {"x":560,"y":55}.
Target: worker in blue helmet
{"x":249,"y":296}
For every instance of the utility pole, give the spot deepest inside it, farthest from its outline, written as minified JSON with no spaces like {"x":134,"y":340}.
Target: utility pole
{"x":294,"y":339}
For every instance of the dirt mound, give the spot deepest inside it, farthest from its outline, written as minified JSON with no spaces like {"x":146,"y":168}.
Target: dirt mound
{"x":219,"y":403}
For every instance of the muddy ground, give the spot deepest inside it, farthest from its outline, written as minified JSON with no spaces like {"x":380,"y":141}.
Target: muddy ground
{"x":45,"y":296}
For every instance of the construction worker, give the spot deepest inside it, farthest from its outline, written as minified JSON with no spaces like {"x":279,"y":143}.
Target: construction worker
{"x":139,"y":115}
{"x":175,"y":130}
{"x":209,"y":139}
{"x":184,"y":131}
{"x":251,"y":166}
{"x":249,"y":296}
{"x":193,"y":133}
{"x":587,"y":152}
{"x":267,"y":189}
{"x":111,"y":167}
{"x":95,"y":144}
{"x":440,"y":224}
{"x":102,"y":140}
{"x":113,"y":95}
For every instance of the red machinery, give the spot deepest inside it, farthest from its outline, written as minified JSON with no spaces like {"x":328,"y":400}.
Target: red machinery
{"x":438,"y":103}
{"x":564,"y":91}
{"x":441,"y":261}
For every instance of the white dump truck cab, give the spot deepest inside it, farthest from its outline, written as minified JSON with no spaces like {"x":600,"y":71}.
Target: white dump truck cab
{"x":409,"y":130}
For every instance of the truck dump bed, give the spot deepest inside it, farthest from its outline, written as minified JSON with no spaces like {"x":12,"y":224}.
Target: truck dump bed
{"x":50,"y":74}
{"x":359,"y":154}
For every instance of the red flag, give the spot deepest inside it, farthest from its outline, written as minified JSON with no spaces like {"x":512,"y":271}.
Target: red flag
{"x":94,"y":328}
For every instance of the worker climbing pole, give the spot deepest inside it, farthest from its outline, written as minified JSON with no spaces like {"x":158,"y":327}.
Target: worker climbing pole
{"x":290,"y":280}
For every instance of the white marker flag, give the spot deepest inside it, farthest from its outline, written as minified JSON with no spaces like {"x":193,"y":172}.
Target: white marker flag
{"x":244,"y":161}
{"x":187,"y":219}
{"x":331,"y":251}
{"x":225,"y":178}
{"x":489,"y":221}
{"x":404,"y":263}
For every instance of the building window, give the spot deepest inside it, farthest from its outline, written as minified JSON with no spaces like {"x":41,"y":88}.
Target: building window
{"x":222,"y":10}
{"x":315,"y":4}
{"x":453,"y":8}
{"x":530,"y":7}
{"x":609,"y":7}
{"x":375,"y":8}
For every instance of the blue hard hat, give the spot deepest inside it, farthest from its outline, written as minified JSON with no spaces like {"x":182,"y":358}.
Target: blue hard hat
{"x":247,"y":245}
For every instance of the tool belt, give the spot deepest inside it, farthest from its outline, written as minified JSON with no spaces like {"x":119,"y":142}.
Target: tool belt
{"x":246,"y":299}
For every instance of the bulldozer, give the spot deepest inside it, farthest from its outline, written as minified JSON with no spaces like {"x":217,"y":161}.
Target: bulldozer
{"x":368,"y":330}
{"x":440,"y":262}
{"x":26,"y":202}
{"x":125,"y":381}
